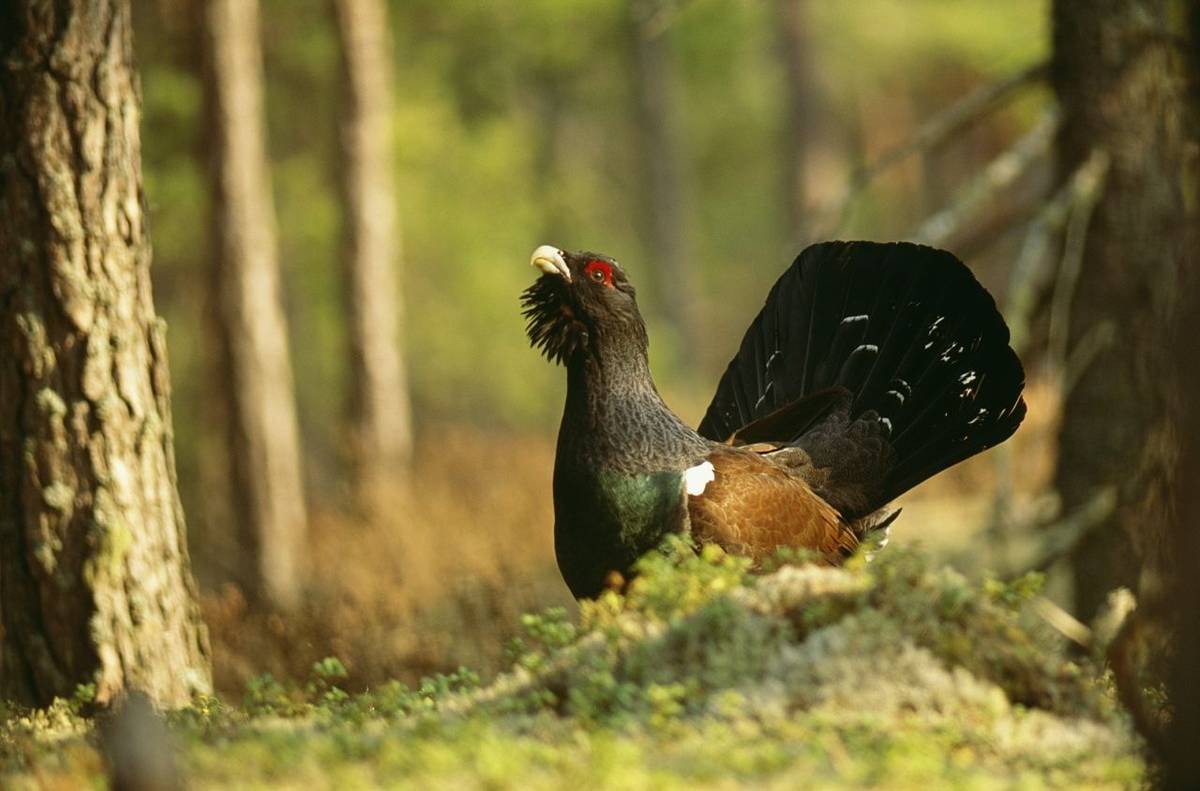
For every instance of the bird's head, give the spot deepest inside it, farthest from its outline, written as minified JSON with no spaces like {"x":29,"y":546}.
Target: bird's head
{"x":582,"y":304}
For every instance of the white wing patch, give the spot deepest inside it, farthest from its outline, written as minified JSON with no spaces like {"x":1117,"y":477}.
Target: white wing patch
{"x":695,"y":479}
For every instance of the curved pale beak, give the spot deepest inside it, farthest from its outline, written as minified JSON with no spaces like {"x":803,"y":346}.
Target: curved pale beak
{"x":550,"y":260}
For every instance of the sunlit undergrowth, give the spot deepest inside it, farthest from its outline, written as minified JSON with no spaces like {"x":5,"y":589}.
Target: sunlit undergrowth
{"x":893,"y":674}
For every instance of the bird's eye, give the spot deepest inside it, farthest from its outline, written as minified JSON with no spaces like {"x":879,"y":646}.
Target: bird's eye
{"x":599,"y":272}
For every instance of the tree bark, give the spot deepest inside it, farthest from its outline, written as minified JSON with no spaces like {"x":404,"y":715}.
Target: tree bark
{"x":1120,"y":78}
{"x":380,"y":420}
{"x":95,"y":582}
{"x":798,"y":102}
{"x":664,"y":194}
{"x":263,"y":443}
{"x":1183,"y":595}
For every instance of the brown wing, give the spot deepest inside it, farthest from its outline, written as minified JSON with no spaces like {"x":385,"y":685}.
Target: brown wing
{"x":753,"y":506}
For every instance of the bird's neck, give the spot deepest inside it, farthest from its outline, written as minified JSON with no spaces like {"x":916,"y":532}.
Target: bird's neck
{"x":615,"y":419}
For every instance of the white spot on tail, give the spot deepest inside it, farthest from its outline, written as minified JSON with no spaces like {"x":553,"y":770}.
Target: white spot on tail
{"x":879,"y":542}
{"x":695,"y":479}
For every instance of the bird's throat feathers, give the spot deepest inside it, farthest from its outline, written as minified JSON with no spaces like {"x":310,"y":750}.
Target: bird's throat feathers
{"x":555,"y":326}
{"x":567,"y":330}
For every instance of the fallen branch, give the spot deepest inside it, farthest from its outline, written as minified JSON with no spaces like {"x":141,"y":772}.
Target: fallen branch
{"x":1063,"y":622}
{"x":1099,"y":638}
{"x":1000,"y":174}
{"x":932,"y":134}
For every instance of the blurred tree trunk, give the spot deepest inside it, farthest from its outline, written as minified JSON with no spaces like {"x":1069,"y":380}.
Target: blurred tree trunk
{"x":663,"y":189}
{"x":798,"y":102}
{"x":1120,"y":78}
{"x":264,"y":445}
{"x":1182,"y":600}
{"x":95,"y":582}
{"x":380,"y":419}
{"x":551,"y":103}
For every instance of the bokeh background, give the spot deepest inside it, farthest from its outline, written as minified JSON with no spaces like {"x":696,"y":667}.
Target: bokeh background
{"x":516,"y":124}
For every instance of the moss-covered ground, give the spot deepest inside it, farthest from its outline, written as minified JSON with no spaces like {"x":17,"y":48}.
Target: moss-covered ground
{"x":891,"y":674}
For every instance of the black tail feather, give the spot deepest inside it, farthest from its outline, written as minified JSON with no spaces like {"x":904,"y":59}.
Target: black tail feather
{"x":908,"y":331}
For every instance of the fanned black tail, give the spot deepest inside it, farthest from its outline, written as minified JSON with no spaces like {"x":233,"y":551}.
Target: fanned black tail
{"x":886,"y":362}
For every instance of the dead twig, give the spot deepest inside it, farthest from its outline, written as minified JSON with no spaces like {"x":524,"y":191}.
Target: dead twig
{"x":1058,"y":536}
{"x":1098,"y":338}
{"x":1000,"y":174}
{"x":1030,"y":280}
{"x":1031,"y":276}
{"x":1106,"y":627}
{"x":1063,"y":622}
{"x":1061,"y":538}
{"x":1072,"y":258}
{"x":932,"y":134}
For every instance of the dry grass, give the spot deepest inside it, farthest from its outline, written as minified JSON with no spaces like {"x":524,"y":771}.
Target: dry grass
{"x":438,"y":581}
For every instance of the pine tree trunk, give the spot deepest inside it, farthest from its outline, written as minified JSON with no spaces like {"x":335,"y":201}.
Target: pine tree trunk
{"x":1120,"y":79}
{"x":264,"y":444}
{"x":664,"y":194}
{"x":1182,"y":600}
{"x":95,"y":583}
{"x":799,"y":110}
{"x":380,"y":421}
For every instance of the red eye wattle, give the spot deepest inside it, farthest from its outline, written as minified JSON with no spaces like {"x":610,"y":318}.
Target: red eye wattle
{"x":599,"y":271}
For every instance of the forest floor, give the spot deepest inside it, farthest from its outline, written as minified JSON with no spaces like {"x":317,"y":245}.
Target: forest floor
{"x":894,"y":674}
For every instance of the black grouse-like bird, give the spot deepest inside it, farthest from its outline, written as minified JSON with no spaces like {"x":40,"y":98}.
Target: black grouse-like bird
{"x":870,"y":368}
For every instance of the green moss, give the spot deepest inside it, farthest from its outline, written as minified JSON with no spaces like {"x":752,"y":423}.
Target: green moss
{"x":111,"y":535}
{"x":702,"y":674}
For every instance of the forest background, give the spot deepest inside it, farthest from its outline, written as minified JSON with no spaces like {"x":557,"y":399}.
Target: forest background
{"x":342,"y":197}
{"x":518,"y":124}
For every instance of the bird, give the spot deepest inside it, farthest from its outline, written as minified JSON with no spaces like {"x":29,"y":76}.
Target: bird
{"x":870,"y":368}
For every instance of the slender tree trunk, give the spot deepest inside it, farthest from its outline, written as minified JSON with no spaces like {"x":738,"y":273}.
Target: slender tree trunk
{"x":380,"y":419}
{"x":264,"y":445}
{"x":95,"y":583}
{"x":799,"y":110}
{"x":664,"y":193}
{"x":1120,"y":78}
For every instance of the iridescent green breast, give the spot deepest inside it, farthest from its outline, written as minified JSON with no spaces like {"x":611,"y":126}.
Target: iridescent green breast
{"x":605,"y":521}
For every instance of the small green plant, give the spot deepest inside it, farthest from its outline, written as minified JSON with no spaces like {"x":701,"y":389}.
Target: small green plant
{"x":265,"y":695}
{"x":85,"y":696}
{"x":543,"y":634}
